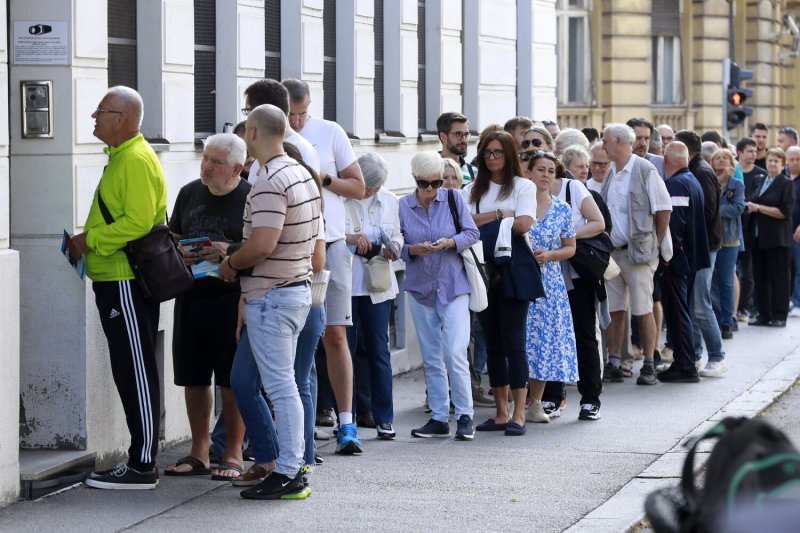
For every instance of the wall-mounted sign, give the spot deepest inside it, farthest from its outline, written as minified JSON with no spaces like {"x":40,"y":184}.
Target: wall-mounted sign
{"x":41,"y":42}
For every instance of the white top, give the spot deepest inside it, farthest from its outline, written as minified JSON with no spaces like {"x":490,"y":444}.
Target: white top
{"x":617,"y":199}
{"x":306,"y":150}
{"x":593,"y":185}
{"x":578,"y":193}
{"x":522,"y":199}
{"x":335,"y":154}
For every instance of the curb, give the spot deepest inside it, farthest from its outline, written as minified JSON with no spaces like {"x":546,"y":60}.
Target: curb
{"x":625,"y":509}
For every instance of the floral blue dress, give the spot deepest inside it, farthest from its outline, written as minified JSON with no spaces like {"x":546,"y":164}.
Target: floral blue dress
{"x":550,"y":338}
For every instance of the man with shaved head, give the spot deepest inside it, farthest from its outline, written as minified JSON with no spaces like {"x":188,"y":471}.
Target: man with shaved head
{"x":133,"y":191}
{"x":667,"y":135}
{"x":281,"y":224}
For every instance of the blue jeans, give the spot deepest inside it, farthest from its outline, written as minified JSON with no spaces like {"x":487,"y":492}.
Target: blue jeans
{"x":796,"y":274}
{"x":722,"y":284}
{"x":479,"y":356}
{"x":246,"y":387}
{"x":443,"y":333}
{"x":306,"y":377}
{"x":274,"y":322}
{"x":704,"y":321}
{"x":373,"y":321}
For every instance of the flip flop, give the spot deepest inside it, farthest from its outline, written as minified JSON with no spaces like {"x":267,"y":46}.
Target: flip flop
{"x":227,"y":465}
{"x":198,"y":468}
{"x":491,"y":425}
{"x":515,"y":430}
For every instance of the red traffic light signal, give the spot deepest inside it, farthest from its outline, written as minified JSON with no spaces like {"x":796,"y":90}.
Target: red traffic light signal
{"x":736,"y":98}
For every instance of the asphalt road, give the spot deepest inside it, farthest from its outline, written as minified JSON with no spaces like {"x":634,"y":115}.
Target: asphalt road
{"x":544,"y":481}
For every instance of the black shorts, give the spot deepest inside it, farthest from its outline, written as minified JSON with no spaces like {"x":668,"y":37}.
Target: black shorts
{"x":657,"y":277}
{"x":204,"y":339}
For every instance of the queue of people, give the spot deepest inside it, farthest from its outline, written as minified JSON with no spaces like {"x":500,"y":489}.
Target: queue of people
{"x":588,"y":238}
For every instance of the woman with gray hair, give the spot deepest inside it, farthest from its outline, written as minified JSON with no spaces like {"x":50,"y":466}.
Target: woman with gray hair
{"x":439,"y":289}
{"x":373,"y":235}
{"x":570,"y":137}
{"x":576,"y":161}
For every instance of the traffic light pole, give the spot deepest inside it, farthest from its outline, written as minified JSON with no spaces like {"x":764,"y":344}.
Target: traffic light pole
{"x":726,"y":80}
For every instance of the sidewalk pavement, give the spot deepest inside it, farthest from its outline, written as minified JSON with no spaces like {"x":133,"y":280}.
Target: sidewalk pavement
{"x":588,"y":476}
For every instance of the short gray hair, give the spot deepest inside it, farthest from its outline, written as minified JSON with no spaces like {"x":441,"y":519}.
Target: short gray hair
{"x":792,"y":150}
{"x":621,"y":132}
{"x":707,"y":150}
{"x":572,"y":153}
{"x":232,"y":144}
{"x":569,"y":137}
{"x":427,"y":164}
{"x":131,"y":98}
{"x":374,"y":169}
{"x":677,"y":153}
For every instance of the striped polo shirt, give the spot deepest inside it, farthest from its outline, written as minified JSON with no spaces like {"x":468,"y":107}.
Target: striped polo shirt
{"x":284,"y":197}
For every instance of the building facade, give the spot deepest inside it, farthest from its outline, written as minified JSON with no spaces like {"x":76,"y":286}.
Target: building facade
{"x":662,"y":59}
{"x":384,"y":70}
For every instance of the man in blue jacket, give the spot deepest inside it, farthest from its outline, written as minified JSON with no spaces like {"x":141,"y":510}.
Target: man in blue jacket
{"x":690,"y":254}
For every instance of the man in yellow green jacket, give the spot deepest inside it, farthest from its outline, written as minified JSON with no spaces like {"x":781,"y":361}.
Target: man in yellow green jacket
{"x":133,"y":189}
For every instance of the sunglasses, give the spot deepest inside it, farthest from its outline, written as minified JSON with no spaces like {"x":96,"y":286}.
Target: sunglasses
{"x":497,"y":154}
{"x":424,"y":184}
{"x":534,"y":142}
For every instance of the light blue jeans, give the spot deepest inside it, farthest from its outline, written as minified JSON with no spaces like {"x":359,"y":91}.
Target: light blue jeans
{"x":274,"y":322}
{"x":443,"y":333}
{"x":704,"y":321}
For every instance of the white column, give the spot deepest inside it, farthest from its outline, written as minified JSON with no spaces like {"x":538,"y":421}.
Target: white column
{"x":302,"y":47}
{"x":544,"y":74}
{"x":355,"y":67}
{"x":444,"y":57}
{"x":400,"y":66}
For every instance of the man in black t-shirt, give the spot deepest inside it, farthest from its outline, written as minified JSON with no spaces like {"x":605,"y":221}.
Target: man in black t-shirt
{"x":204,"y":339}
{"x":759,"y":133}
{"x":746,"y":151}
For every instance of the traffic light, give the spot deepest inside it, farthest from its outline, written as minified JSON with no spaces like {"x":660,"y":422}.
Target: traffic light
{"x":737,"y":96}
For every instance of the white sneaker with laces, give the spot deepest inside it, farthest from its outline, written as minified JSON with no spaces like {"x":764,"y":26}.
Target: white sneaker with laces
{"x":795,"y":312}
{"x":714,"y":369}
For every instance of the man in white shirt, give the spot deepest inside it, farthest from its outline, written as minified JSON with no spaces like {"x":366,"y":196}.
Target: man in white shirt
{"x":341,"y":178}
{"x":640,"y":207}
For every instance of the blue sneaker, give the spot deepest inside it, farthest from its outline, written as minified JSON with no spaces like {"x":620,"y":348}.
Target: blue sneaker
{"x":347,"y":442}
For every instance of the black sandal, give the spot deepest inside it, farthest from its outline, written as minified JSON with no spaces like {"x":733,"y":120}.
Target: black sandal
{"x":198,"y":468}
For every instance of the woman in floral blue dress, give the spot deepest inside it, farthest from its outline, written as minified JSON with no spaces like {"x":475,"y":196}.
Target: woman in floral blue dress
{"x":550,"y":338}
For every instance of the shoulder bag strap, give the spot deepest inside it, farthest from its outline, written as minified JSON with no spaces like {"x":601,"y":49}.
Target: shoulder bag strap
{"x":451,"y":201}
{"x":103,"y":209}
{"x":567,"y":183}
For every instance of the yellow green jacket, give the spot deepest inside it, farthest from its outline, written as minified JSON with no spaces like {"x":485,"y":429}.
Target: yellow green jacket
{"x":135,"y":193}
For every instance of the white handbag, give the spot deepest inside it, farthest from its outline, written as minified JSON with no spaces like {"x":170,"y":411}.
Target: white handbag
{"x":473,"y":265}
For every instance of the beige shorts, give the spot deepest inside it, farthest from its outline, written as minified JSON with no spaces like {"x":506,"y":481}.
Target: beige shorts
{"x":636,"y":279}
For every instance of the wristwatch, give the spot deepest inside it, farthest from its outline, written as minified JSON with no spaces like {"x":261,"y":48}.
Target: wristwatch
{"x":327,"y":181}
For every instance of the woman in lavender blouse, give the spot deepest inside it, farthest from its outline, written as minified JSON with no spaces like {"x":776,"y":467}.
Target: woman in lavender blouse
{"x":437,"y":282}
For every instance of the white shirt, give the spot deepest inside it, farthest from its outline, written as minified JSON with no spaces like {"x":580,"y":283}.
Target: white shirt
{"x":310,"y":156}
{"x":595,"y":186}
{"x":335,"y":154}
{"x":578,"y":193}
{"x":522,"y":199}
{"x":618,"y":199}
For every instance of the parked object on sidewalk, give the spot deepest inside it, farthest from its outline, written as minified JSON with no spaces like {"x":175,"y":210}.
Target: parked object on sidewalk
{"x":753,"y":465}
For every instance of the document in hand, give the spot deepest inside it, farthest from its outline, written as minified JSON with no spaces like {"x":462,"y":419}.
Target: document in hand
{"x":78,"y":264}
{"x":203,"y":267}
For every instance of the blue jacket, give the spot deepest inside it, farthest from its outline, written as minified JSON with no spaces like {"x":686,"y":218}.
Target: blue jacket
{"x":731,"y":207}
{"x":687,"y":224}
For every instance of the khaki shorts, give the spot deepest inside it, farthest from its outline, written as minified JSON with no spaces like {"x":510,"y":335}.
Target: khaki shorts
{"x":636,"y":279}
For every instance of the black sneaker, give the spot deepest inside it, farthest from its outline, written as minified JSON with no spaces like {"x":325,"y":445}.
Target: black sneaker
{"x":365,"y":420}
{"x":726,"y":332}
{"x":613,"y":374}
{"x":553,"y":410}
{"x":465,"y":431}
{"x":278,"y":487}
{"x":123,"y":477}
{"x":589,"y":411}
{"x":433,"y":428}
{"x":325,"y":418}
{"x":647,"y":376}
{"x":675,"y":375}
{"x":386,"y":432}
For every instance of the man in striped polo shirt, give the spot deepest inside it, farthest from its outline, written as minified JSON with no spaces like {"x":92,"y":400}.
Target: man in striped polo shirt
{"x":281,"y":222}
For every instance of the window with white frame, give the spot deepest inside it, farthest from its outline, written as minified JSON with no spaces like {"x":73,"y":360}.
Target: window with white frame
{"x":666,"y":52}
{"x":572,"y":51}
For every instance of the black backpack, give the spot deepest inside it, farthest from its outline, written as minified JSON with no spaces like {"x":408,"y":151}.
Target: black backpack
{"x":752,"y":465}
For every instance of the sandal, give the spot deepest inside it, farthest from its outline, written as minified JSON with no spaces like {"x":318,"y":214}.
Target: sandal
{"x":627,"y":373}
{"x":227,"y":465}
{"x":254,"y":475}
{"x":198,"y":468}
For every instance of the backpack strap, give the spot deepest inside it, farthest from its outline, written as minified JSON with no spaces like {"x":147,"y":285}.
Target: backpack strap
{"x":687,"y":476}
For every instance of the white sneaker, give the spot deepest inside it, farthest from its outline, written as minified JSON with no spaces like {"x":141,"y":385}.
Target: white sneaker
{"x":795,"y":312}
{"x":535,"y":413}
{"x":714,"y":369}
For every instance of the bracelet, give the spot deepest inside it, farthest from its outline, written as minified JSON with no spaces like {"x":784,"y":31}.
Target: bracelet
{"x":230,"y":264}
{"x":499,"y":214}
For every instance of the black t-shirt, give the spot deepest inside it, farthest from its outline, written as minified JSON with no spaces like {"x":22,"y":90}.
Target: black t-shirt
{"x":198,"y":213}
{"x":762,"y":163}
{"x":752,"y":181}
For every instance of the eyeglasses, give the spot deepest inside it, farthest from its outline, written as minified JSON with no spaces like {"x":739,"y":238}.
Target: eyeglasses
{"x":497,"y":154}
{"x":246,"y":111}
{"x":535,"y":142}
{"x":460,"y":135}
{"x":424,"y":184}
{"x":601,"y":164}
{"x":104,"y":110}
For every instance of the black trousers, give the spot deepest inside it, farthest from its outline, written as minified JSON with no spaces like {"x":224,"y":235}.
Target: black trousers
{"x":772,"y":275}
{"x":504,"y":323}
{"x":744,"y":269}
{"x":590,"y":384}
{"x":131,"y":327}
{"x":676,"y":299}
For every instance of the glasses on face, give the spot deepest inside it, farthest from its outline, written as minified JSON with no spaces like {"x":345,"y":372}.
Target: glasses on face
{"x":246,"y":111}
{"x":489,"y":154}
{"x":104,"y":110}
{"x":460,"y":135}
{"x":600,"y":164}
{"x":532,"y":142}
{"x":424,"y":184}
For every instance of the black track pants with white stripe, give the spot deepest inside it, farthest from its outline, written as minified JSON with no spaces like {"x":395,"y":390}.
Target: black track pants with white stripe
{"x":131,"y":325}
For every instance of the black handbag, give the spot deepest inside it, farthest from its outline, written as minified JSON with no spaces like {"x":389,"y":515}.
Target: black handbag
{"x":156,"y":261}
{"x":592,"y":255}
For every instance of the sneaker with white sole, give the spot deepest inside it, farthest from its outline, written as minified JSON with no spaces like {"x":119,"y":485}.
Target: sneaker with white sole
{"x":433,"y":428}
{"x":536,"y":413}
{"x":464,"y":428}
{"x":123,"y":477}
{"x":386,"y":432}
{"x":714,"y":369}
{"x":589,"y":411}
{"x":552,"y":410}
{"x":795,"y":312}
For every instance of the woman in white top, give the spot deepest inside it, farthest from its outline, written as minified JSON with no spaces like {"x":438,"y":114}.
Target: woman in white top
{"x":373,"y":230}
{"x":499,"y":192}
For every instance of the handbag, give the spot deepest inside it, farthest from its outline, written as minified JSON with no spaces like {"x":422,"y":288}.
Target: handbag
{"x":592,"y":255}
{"x":377,"y":269}
{"x":473,"y":264}
{"x":156,"y":262}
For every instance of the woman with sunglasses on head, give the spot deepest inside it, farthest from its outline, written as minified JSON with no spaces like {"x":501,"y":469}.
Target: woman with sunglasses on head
{"x":536,"y":138}
{"x":499,"y":191}
{"x":439,"y":289}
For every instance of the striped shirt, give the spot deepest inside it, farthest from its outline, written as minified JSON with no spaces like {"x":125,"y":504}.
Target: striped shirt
{"x":284,"y":197}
